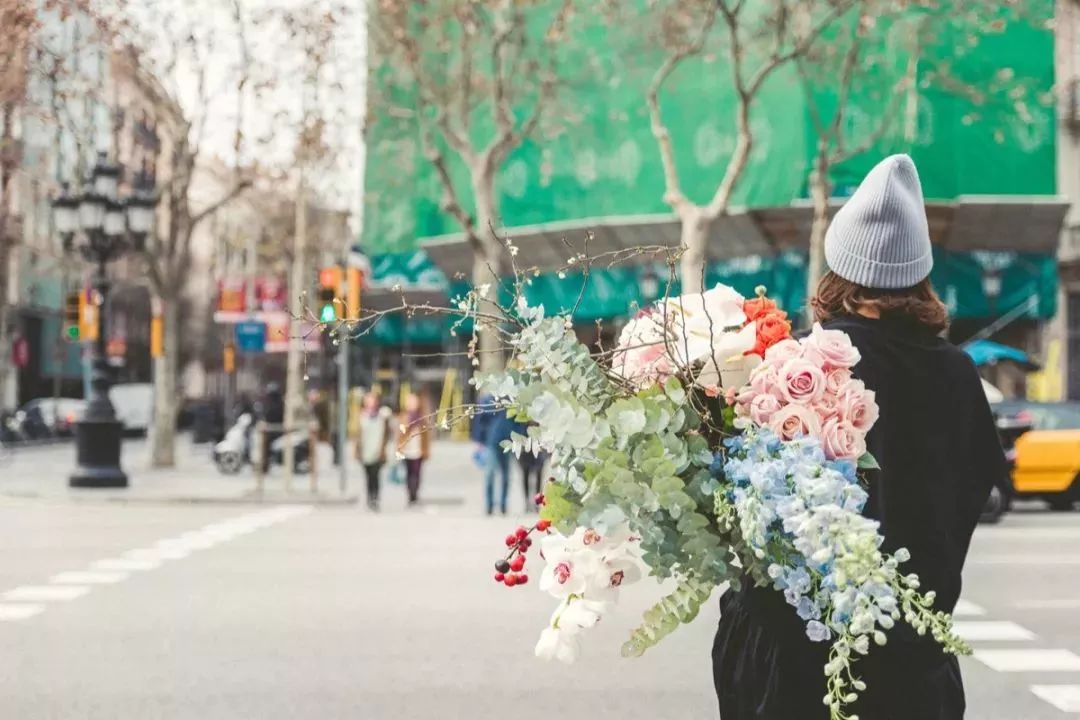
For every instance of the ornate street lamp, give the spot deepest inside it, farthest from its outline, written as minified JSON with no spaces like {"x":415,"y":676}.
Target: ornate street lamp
{"x":101,"y":227}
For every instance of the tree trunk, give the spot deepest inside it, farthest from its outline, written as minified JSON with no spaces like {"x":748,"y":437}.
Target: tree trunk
{"x":294,"y":378}
{"x":694,"y":235}
{"x":819,"y":194}
{"x":487,"y":268}
{"x":163,"y":433}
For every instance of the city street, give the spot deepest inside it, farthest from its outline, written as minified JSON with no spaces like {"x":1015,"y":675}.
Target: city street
{"x":224,"y":611}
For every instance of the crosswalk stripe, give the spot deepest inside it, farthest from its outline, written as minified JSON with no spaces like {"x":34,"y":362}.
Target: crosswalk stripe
{"x":1049,"y":604}
{"x":87,"y":578}
{"x":46,"y":593}
{"x":965,"y":608}
{"x":1065,"y":698}
{"x":989,"y":630}
{"x":1030,"y":560}
{"x":125,"y":564}
{"x":12,"y":612}
{"x":157,"y":554}
{"x":1029,"y":660}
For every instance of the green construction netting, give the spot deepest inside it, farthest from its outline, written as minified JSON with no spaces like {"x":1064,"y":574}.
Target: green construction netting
{"x":992,"y":132}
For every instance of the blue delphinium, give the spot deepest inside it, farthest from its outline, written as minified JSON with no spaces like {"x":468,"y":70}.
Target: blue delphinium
{"x":792,"y":502}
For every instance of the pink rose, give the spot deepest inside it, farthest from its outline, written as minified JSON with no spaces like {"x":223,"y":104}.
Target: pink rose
{"x":763,"y":408}
{"x":791,"y":421}
{"x":783,"y":351}
{"x":766,"y":380}
{"x":836,"y":379}
{"x":827,"y":406}
{"x":858,"y":407}
{"x":835,"y":347}
{"x":841,"y":441}
{"x":801,"y":382}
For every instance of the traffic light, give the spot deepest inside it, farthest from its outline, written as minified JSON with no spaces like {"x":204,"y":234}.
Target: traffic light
{"x":72,"y":315}
{"x":329,"y":291}
{"x":352,"y":297}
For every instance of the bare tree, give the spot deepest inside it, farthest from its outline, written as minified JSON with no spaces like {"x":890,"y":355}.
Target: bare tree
{"x":757,"y":40}
{"x":19,"y":21}
{"x":479,"y":76}
{"x":856,"y":64}
{"x":180,"y":45}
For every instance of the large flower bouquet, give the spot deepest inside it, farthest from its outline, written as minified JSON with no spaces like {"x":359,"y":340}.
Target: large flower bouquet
{"x":708,"y":447}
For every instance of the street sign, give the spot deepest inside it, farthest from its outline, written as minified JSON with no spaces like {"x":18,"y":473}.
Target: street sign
{"x":251,"y":336}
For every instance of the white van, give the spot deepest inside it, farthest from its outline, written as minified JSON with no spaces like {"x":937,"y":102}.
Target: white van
{"x":134,"y":405}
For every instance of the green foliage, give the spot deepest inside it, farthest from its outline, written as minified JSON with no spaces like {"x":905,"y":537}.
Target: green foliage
{"x":558,"y":507}
{"x":868,"y":462}
{"x":680,"y":606}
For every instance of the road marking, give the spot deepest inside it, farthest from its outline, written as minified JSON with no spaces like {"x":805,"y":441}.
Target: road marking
{"x":1026,"y":533}
{"x":82,"y":577}
{"x":967,"y":609}
{"x":74,"y":584}
{"x":1029,"y":660}
{"x":192,"y":542}
{"x":14,"y":612}
{"x":990,"y":630}
{"x":46,"y":593}
{"x":125,"y":564}
{"x":157,"y":554}
{"x":1049,"y":604}
{"x":1023,"y":559}
{"x":1065,"y":698}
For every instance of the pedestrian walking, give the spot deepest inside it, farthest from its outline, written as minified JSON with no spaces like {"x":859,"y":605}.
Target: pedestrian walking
{"x":491,"y":427}
{"x":414,"y":443}
{"x":373,"y":435}
{"x":939,"y":452}
{"x":273,"y":413}
{"x":532,"y":467}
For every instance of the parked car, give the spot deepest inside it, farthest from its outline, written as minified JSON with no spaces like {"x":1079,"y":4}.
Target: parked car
{"x":47,"y":417}
{"x":1043,"y":442}
{"x":134,"y":405}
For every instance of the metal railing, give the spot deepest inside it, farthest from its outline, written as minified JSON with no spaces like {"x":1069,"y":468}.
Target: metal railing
{"x":262,"y":448}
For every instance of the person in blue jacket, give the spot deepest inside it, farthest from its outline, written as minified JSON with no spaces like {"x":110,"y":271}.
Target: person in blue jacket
{"x":490,"y":427}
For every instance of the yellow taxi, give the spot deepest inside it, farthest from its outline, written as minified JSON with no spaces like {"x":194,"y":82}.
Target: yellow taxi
{"x":1042,"y":441}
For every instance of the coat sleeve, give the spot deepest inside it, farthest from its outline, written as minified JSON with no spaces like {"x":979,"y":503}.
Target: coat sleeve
{"x":987,"y":460}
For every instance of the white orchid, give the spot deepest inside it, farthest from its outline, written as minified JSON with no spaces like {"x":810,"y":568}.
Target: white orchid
{"x":556,"y":644}
{"x":559,"y":641}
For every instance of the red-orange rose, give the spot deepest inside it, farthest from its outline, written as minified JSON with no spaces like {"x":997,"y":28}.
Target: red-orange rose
{"x":757,"y":307}
{"x":771,"y":329}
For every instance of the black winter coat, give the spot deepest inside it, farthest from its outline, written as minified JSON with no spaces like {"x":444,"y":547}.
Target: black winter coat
{"x":938,"y":448}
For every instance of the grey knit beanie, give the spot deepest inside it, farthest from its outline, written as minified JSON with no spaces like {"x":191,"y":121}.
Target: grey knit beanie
{"x":880,"y":238}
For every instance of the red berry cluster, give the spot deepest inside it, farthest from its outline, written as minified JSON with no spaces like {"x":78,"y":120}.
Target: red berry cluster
{"x":508,"y":570}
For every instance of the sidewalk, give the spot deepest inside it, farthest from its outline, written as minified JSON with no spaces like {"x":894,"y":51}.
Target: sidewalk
{"x":42,"y":473}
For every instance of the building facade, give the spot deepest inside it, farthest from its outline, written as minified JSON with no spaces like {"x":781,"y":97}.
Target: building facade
{"x":988,"y":160}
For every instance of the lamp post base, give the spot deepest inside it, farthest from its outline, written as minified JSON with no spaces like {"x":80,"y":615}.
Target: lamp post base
{"x":98,"y":455}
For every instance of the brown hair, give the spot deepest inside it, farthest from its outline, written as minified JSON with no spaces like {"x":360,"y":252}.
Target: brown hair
{"x":919,"y":305}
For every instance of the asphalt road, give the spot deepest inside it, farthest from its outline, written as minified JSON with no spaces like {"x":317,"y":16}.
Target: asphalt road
{"x":115,"y":611}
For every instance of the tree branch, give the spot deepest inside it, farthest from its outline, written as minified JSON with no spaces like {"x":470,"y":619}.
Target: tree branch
{"x":450,"y":203}
{"x":673,"y":194}
{"x":779,"y":57}
{"x":241,"y":185}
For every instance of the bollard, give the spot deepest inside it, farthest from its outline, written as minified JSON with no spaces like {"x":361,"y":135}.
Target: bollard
{"x":257,"y":464}
{"x":313,"y":445}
